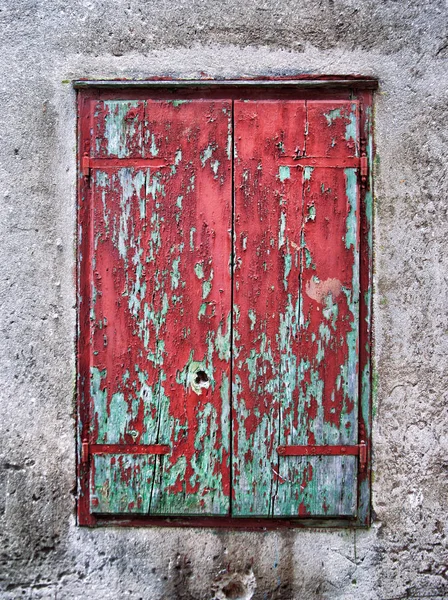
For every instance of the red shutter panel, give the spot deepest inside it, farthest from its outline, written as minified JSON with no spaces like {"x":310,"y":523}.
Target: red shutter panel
{"x":157,"y":337}
{"x":296,"y":294}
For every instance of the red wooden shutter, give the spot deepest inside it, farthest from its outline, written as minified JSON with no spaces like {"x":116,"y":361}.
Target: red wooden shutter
{"x":155,"y":319}
{"x":296,"y":294}
{"x":220,"y":380}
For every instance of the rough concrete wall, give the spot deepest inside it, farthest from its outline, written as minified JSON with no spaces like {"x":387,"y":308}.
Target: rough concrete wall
{"x":45,"y":43}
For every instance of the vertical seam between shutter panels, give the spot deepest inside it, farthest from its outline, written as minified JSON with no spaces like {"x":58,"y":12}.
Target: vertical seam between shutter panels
{"x":232,"y":312}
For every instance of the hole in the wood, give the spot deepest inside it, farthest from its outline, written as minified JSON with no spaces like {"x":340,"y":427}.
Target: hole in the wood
{"x":201,"y":376}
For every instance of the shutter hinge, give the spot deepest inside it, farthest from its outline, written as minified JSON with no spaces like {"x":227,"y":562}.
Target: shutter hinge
{"x":359,"y":450}
{"x":362,"y":456}
{"x":85,"y":452}
{"x":362,"y":445}
{"x":364,"y":164}
{"x":85,"y":165}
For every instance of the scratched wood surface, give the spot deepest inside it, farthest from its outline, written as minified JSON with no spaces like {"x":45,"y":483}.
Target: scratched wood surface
{"x":160,"y":298}
{"x":296,"y":294}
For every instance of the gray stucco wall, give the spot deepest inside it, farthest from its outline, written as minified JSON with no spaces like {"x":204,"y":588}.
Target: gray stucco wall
{"x":47,"y":43}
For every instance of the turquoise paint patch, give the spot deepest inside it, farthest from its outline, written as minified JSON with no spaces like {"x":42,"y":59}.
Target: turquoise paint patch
{"x":352,"y":195}
{"x":307,"y":171}
{"x":251,"y":362}
{"x":192,"y":232}
{"x":350,"y":129}
{"x":225,"y":411}
{"x":215,"y":166}
{"x":308,"y":258}
{"x":284,"y":173}
{"x":229,"y":140}
{"x":177,"y":103}
{"x":349,"y":370}
{"x":119,"y":417}
{"x":287,"y":260}
{"x":222,"y":341}
{"x":122,"y":483}
{"x":281,"y":230}
{"x":332,"y":115}
{"x":138,"y":291}
{"x":206,"y":288}
{"x":325,"y":336}
{"x":175,"y":275}
{"x":190,"y":186}
{"x":127,"y":187}
{"x":207,"y":153}
{"x":157,"y":357}
{"x":153,"y":148}
{"x":154,"y":186}
{"x":199,"y":270}
{"x":253,"y":318}
{"x":99,"y":397}
{"x":177,"y":159}
{"x":331,"y":310}
{"x":179,"y":206}
{"x":92,"y":307}
{"x":118,"y":132}
{"x":157,"y":318}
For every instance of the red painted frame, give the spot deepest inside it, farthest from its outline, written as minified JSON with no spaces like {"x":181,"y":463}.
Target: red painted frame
{"x":299,"y":87}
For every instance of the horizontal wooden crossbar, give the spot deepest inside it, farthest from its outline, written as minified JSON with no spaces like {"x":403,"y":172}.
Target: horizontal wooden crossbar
{"x":104,"y":164}
{"x":358,"y":450}
{"x":128,"y":449}
{"x":89,"y":163}
{"x":323,"y":162}
{"x":318,"y":450}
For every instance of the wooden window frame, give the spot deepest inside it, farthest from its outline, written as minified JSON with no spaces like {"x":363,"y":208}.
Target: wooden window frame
{"x":300,"y":87}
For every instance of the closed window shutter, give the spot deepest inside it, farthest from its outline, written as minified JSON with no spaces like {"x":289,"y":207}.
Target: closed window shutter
{"x":219,"y":377}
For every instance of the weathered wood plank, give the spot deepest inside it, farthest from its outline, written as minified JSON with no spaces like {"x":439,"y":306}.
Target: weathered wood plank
{"x":160,"y":306}
{"x":268,"y":215}
{"x":122,"y":483}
